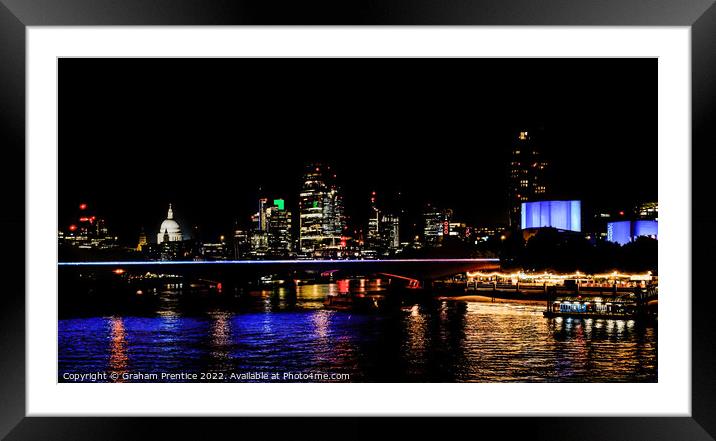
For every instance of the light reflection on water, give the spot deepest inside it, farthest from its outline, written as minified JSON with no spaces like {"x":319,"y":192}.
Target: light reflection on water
{"x":289,"y":330}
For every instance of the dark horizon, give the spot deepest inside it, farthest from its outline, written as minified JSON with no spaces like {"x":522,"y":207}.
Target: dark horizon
{"x":206,"y":134}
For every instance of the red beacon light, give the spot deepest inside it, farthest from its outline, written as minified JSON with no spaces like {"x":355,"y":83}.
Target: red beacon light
{"x":73,"y":227}
{"x":83,"y":206}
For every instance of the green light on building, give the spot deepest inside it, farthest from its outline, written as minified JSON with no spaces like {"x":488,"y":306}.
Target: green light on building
{"x":279,"y":203}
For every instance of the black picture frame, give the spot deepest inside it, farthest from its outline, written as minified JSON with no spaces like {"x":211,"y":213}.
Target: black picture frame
{"x":16,"y":15}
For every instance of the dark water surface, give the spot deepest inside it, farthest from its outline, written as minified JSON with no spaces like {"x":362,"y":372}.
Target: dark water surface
{"x":288,"y":331}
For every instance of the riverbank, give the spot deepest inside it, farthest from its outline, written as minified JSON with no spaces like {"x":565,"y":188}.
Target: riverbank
{"x":489,"y":299}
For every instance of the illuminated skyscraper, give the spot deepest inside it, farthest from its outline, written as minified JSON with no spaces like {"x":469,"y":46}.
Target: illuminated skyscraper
{"x":390,"y":231}
{"x":526,"y":181}
{"x":259,"y":235}
{"x":383,"y":230}
{"x":242,"y":245}
{"x":321,"y":216}
{"x":436,"y":225}
{"x":373,"y":232}
{"x":280,"y":242}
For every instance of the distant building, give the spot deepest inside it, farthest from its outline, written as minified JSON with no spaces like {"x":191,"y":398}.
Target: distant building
{"x":459,"y":230}
{"x":214,"y":251}
{"x":88,"y":232}
{"x":271,"y":235}
{"x":142,"y":240}
{"x":280,"y":239}
{"x":242,"y":246}
{"x":484,"y":233}
{"x":436,"y":224}
{"x":169,"y":231}
{"x":562,"y":215}
{"x":526,"y":177}
{"x":321,"y":214}
{"x":259,"y":243}
{"x":259,"y":233}
{"x":390,"y":232}
{"x":170,"y":243}
{"x":373,"y":231}
{"x":647,"y":210}
{"x":623,"y":232}
{"x":383,"y":234}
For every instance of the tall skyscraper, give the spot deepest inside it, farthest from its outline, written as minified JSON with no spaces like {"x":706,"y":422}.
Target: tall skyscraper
{"x":390,"y":231}
{"x":436,"y":225}
{"x":526,"y":181}
{"x":259,"y":235}
{"x":383,"y":229}
{"x":262,"y":214}
{"x":373,"y":232}
{"x":321,"y":215}
{"x":242,"y":244}
{"x":280,"y":242}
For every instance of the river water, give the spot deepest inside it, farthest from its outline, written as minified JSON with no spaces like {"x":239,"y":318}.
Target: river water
{"x":285,"y":334}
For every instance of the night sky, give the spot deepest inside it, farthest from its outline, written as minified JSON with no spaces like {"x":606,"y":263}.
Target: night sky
{"x":207,"y":134}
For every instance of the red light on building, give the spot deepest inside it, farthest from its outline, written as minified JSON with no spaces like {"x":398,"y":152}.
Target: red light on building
{"x":621,"y":213}
{"x":73,"y":227}
{"x":83,"y":206}
{"x":446,"y":228}
{"x":118,"y":271}
{"x":84,"y":219}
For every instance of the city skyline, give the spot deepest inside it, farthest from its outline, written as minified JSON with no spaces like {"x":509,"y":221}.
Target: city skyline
{"x":358,"y":220}
{"x":324,"y":231}
{"x":212,"y":168}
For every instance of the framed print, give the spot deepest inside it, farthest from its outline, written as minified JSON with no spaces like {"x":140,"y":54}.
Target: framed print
{"x":340,"y":223}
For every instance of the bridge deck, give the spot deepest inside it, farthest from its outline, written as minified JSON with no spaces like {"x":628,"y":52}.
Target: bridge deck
{"x":413,"y":268}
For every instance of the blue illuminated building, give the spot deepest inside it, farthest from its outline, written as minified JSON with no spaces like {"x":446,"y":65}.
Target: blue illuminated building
{"x":562,"y":215}
{"x":624,"y":232}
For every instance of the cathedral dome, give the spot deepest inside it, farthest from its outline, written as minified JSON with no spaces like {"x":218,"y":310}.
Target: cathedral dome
{"x":170,"y":229}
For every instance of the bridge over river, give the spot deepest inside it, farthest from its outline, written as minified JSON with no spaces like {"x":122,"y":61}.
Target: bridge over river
{"x":420,"y":270}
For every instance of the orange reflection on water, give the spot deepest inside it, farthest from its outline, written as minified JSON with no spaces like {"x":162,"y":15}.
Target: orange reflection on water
{"x":343,"y":286}
{"x":118,"y":348}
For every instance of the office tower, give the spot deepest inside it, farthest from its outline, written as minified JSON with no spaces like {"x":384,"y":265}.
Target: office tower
{"x":321,"y":215}
{"x":526,"y":180}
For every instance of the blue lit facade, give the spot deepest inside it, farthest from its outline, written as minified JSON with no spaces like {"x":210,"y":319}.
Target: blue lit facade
{"x":624,"y":232}
{"x":562,"y":215}
{"x":646,"y":228}
{"x":619,"y":232}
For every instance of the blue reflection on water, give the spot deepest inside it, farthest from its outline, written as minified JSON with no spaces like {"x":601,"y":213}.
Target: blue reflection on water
{"x":437,"y":342}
